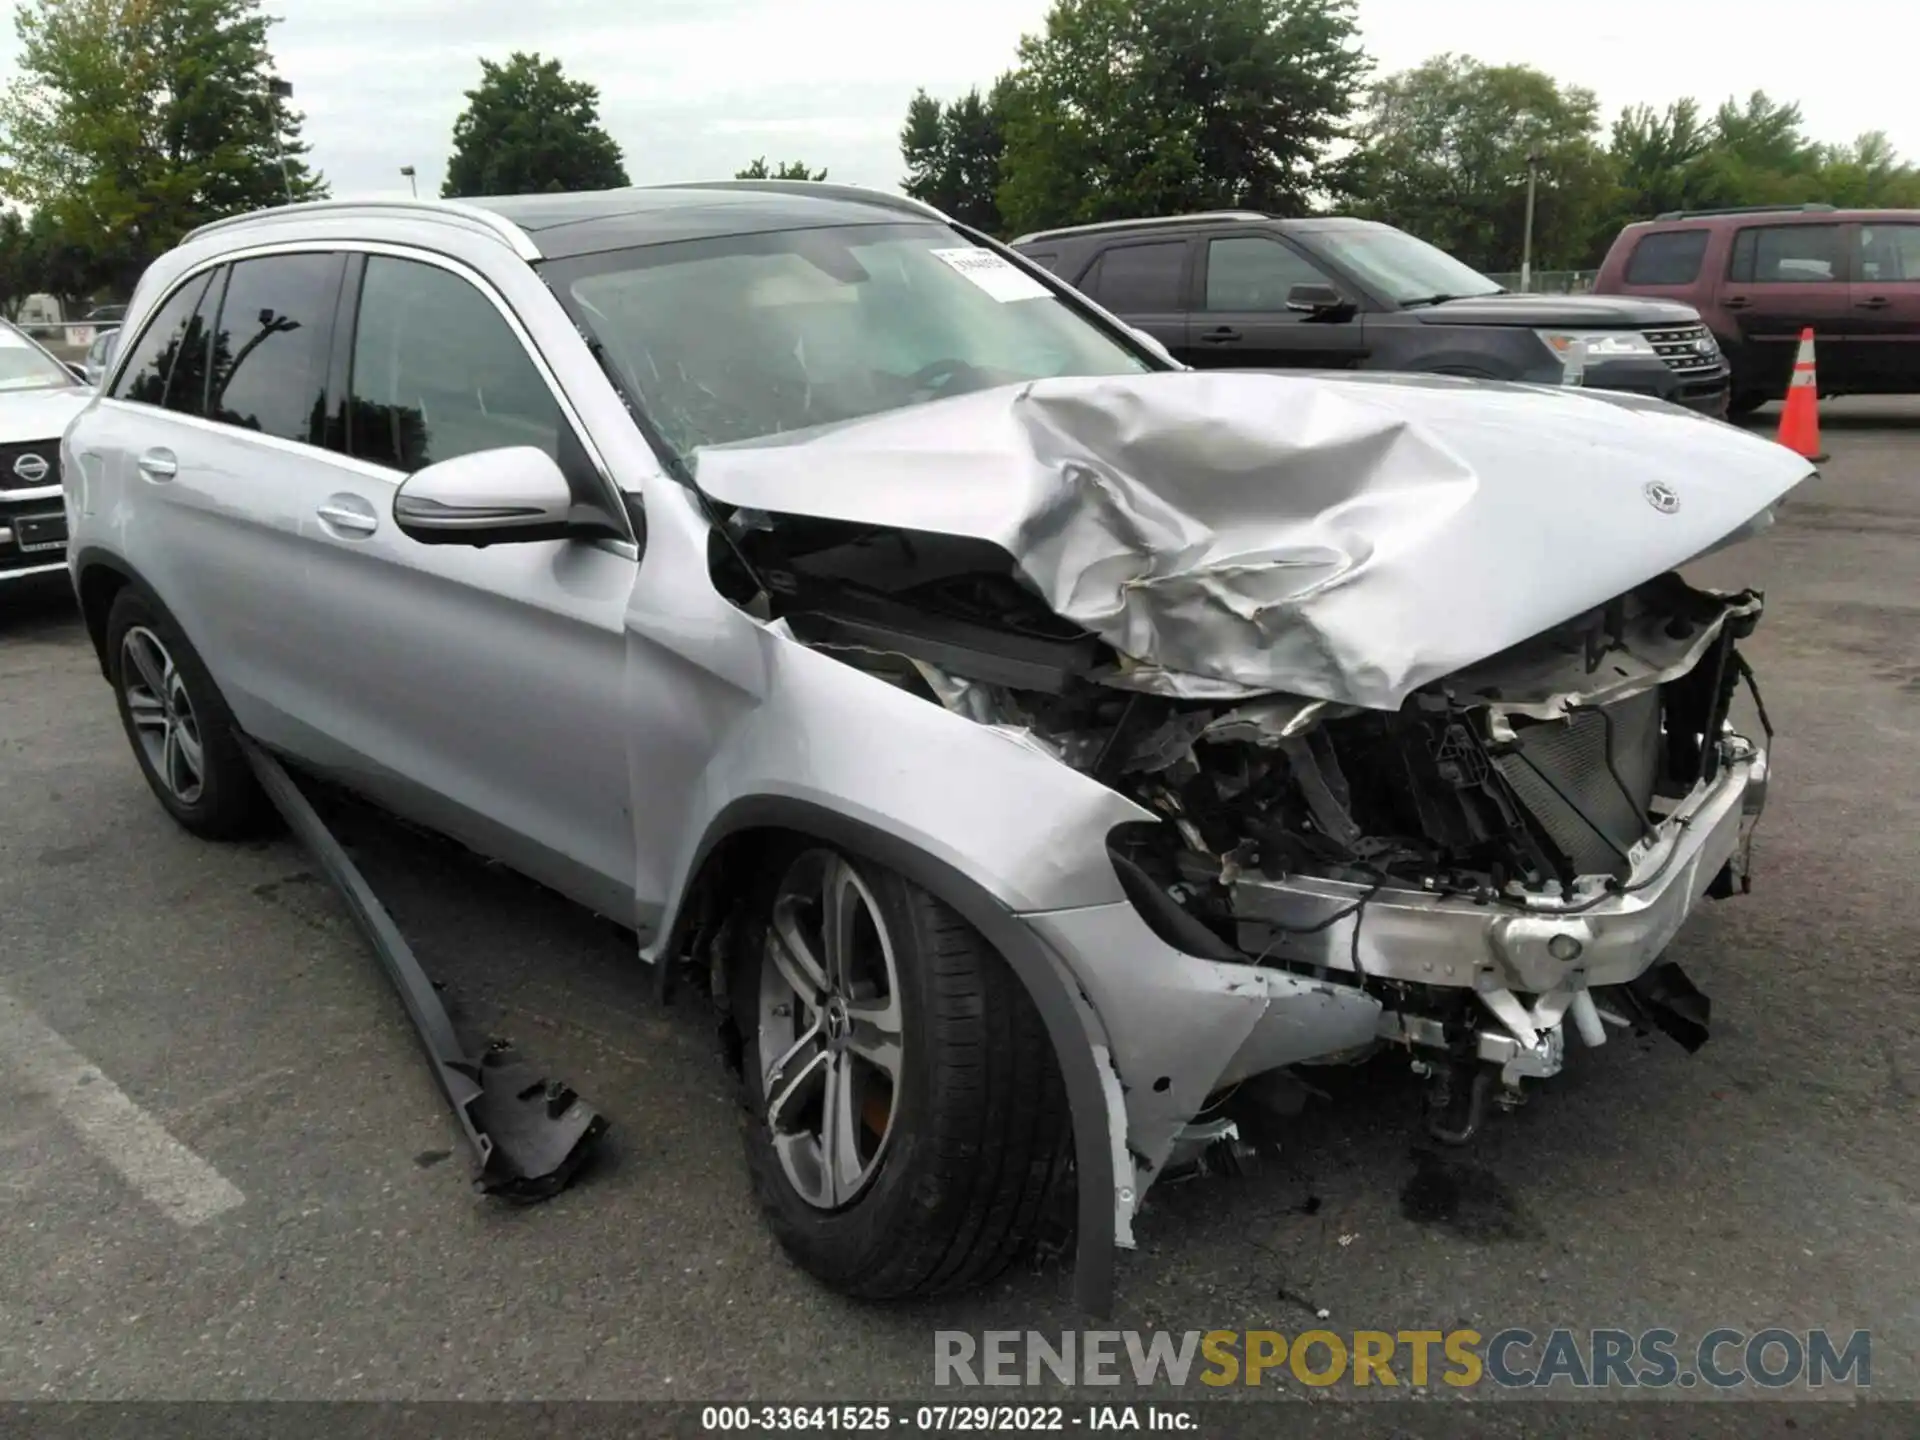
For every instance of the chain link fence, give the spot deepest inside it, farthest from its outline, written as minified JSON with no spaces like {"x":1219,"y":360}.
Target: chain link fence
{"x":1550,"y":282}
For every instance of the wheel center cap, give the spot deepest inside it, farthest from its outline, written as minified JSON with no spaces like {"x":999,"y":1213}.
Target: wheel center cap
{"x":839,"y":1023}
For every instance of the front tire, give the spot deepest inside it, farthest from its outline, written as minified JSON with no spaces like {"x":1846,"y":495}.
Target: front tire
{"x":181,"y":730}
{"x":909,"y":1124}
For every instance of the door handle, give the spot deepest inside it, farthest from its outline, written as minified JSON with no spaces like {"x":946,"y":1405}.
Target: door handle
{"x":1873,"y":302}
{"x":1220,"y":335}
{"x":158,"y":464}
{"x":1736,"y":302}
{"x":348,"y":515}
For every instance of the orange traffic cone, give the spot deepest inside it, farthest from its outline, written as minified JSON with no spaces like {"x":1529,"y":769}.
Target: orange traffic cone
{"x":1800,"y":421}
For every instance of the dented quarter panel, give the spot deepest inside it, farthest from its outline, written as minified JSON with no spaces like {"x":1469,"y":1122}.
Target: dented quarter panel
{"x":1242,"y":533}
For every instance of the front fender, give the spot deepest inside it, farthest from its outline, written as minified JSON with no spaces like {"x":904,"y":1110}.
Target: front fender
{"x":984,"y":801}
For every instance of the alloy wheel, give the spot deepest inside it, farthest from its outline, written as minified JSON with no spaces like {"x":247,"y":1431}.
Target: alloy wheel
{"x":830,"y":1033}
{"x":164,"y":723}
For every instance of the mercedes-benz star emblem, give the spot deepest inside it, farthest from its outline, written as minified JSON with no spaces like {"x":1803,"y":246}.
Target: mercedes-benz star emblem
{"x":30,"y":468}
{"x":1663,"y":498}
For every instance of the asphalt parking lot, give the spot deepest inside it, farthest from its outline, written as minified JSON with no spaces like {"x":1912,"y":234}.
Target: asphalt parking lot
{"x":272,"y":1200}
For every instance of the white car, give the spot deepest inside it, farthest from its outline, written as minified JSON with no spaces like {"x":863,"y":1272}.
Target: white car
{"x":38,"y":396}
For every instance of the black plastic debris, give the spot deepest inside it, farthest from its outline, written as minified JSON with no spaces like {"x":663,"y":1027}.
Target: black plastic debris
{"x":530,"y":1133}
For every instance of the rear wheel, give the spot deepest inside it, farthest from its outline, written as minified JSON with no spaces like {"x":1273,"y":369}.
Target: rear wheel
{"x":181,"y":730}
{"x":909,"y":1123}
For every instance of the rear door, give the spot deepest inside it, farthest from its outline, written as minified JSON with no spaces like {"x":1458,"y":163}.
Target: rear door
{"x":478,"y":690}
{"x":1145,"y":283}
{"x":1780,"y":280}
{"x":1886,"y":305}
{"x":213,"y":423}
{"x":1243,"y":320}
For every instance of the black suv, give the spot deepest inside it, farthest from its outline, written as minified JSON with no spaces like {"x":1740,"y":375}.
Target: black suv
{"x":1241,"y":290}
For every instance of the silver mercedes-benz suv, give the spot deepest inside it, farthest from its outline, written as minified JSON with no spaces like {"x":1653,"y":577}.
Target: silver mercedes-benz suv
{"x":1027,"y":739}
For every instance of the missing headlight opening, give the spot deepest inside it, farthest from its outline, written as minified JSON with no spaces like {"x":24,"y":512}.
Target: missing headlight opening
{"x":1451,"y":857}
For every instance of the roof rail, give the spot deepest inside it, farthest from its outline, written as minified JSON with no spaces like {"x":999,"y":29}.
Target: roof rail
{"x":1211,"y":217}
{"x":498,"y":226}
{"x":831,"y":190}
{"x":1808,"y":209}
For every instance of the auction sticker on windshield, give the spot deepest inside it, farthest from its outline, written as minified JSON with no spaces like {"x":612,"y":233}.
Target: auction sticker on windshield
{"x":993,"y":274}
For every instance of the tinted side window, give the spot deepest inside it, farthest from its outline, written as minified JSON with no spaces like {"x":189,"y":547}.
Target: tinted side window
{"x":1250,"y":272}
{"x":1139,"y":279}
{"x":151,"y":363}
{"x":187,"y":387}
{"x":1667,"y":257}
{"x":1045,"y":259}
{"x":438,"y":372}
{"x":270,"y":348}
{"x":1787,"y":255}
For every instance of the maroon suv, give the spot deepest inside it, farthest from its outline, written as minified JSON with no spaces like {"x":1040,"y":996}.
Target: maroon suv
{"x":1761,"y":275}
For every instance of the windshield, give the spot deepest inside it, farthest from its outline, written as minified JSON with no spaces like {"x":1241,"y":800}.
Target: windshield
{"x":748,"y":336}
{"x":25,"y":366}
{"x":1399,"y":266}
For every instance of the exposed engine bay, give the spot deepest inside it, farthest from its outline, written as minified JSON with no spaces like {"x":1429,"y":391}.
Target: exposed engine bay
{"x":1463,"y":858}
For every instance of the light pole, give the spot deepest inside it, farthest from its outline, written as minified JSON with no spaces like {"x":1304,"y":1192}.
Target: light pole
{"x":412,"y":184}
{"x":278,"y":90}
{"x":1534,"y":157}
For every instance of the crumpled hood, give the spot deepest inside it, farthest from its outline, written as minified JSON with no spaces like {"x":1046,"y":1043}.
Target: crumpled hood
{"x":1239,"y":533}
{"x":28,"y":415}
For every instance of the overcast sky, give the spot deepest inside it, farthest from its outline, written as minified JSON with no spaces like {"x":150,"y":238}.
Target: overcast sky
{"x":698,"y":88}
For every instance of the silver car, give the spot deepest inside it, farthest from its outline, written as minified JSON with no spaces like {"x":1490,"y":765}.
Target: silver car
{"x":1027,"y":740}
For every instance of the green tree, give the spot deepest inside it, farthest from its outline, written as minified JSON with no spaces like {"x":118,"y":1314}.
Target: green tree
{"x":1138,"y":107}
{"x":1444,"y":155}
{"x":1761,"y":155}
{"x":785,"y":170}
{"x":1868,"y":174}
{"x":1751,"y":152}
{"x":1662,"y":159}
{"x":130,"y":122}
{"x":528,"y":129}
{"x":953,"y":154}
{"x":18,"y":274}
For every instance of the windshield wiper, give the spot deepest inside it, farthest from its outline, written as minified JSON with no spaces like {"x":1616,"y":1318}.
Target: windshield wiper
{"x":1443,"y":299}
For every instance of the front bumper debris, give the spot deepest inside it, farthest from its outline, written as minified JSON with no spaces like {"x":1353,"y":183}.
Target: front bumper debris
{"x":529,"y":1134}
{"x":1597,"y":938}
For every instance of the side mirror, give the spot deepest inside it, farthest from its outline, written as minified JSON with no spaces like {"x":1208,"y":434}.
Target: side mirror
{"x":1315,"y":299}
{"x":79,"y":372}
{"x":486,"y":498}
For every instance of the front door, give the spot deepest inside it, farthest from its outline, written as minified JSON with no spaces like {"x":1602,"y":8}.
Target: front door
{"x":1243,"y":321}
{"x":1783,"y":279}
{"x":479,"y":690}
{"x":1886,"y":306}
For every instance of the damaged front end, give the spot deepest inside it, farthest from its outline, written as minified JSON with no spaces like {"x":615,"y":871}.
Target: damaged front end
{"x":1500,"y":860}
{"x":1417,"y":784}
